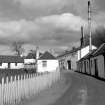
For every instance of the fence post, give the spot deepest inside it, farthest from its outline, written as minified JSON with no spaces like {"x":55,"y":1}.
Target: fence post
{"x":25,"y":86}
{"x":34,"y":82}
{"x":21,"y":85}
{"x":11,"y":90}
{"x":2,"y":91}
{"x":7,"y":90}
{"x":18,"y":85}
{"x":15,"y":91}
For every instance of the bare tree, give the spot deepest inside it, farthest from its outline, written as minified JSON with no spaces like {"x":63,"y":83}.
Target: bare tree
{"x":17,"y":47}
{"x":33,"y":51}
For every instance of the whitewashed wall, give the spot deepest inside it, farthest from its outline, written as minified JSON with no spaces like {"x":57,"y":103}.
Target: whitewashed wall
{"x":52,"y":65}
{"x":4,"y":65}
{"x":28,"y":61}
{"x":84,"y":51}
{"x":18,"y":66}
{"x":12,"y":66}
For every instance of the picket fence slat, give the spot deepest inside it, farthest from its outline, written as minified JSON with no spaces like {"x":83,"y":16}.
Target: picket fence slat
{"x":14,"y":89}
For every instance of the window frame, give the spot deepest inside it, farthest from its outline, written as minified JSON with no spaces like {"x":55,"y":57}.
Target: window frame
{"x":16,"y":64}
{"x":44,"y":63}
{"x":0,"y":63}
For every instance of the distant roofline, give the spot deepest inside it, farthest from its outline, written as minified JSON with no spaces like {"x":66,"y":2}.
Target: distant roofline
{"x":11,"y":59}
{"x":47,"y":57}
{"x":73,"y":50}
{"x":69,"y":52}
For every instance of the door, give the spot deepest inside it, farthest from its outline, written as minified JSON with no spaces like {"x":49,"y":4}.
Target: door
{"x":69,"y":64}
{"x":104,"y":65}
{"x":9,"y":65}
{"x":96,"y":68}
{"x":85,"y":66}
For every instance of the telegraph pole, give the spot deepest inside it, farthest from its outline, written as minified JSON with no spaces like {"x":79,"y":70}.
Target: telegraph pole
{"x":81,"y":41}
{"x":37,"y":56}
{"x":89,"y":26}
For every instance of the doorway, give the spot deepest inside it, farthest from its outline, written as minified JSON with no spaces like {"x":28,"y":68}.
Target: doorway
{"x":9,"y":65}
{"x":69,"y":64}
{"x":96,"y":68}
{"x":85,"y":66}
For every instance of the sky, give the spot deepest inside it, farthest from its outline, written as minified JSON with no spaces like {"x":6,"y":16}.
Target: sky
{"x":49,"y":24}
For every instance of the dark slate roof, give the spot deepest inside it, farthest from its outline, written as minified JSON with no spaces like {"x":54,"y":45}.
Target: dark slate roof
{"x":69,"y":52}
{"x":47,"y":56}
{"x":11,"y":59}
{"x":31,"y":56}
{"x":100,"y":50}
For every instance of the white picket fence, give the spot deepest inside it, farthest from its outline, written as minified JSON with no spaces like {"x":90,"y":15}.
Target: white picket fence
{"x":14,"y":89}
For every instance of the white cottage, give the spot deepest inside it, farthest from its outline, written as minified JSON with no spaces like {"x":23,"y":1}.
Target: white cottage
{"x":30,"y":58}
{"x":47,"y":62}
{"x":30,"y":61}
{"x":11,"y":62}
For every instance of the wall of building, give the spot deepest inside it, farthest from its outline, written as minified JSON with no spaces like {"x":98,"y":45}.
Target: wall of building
{"x":84,"y":51}
{"x":100,"y":65}
{"x":28,"y":61}
{"x":96,"y":67}
{"x":52,"y":65}
{"x":18,"y":66}
{"x":92,"y":66}
{"x":12,"y":66}
{"x":4,"y":66}
{"x":69,"y":57}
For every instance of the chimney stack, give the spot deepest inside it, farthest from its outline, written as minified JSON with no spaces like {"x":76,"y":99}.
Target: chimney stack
{"x":37,"y":52}
{"x":82,"y":36}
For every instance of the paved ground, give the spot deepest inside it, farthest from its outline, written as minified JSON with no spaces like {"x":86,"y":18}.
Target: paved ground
{"x":73,"y":89}
{"x":51,"y":95}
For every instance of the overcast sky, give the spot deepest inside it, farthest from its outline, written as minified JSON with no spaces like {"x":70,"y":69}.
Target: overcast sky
{"x":48,"y":23}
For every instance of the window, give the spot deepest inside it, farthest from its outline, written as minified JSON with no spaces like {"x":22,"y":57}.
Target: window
{"x":15,"y":64}
{"x":44,"y":63}
{"x":0,"y":64}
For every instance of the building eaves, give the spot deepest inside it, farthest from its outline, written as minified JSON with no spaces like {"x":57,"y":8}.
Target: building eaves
{"x":100,"y":50}
{"x":69,"y":52}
